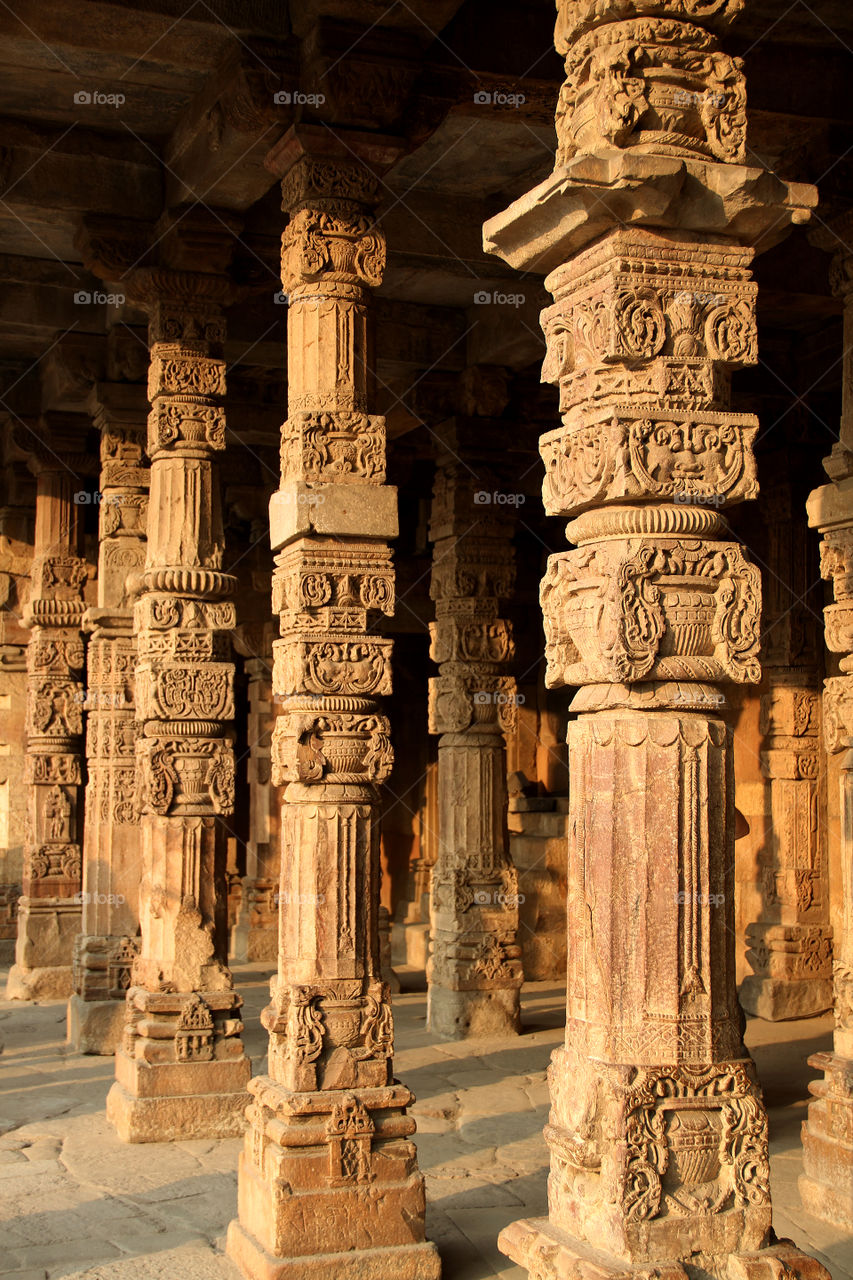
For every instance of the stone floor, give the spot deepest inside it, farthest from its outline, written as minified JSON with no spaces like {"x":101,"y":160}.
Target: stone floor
{"x":74,"y":1201}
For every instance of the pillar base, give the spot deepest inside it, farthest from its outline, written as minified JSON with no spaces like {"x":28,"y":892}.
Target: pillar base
{"x":51,"y":982}
{"x":778,"y":1000}
{"x":176,"y":1116}
{"x":403,"y":1262}
{"x":329,"y":1178}
{"x":463,"y":1015}
{"x":95,"y":1026}
{"x":550,"y":1254}
{"x":251,"y":945}
{"x":826,"y":1185}
{"x":254,"y":936}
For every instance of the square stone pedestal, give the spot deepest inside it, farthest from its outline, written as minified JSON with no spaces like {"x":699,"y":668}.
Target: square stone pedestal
{"x":549,"y":1254}
{"x":399,"y":1262}
{"x":95,"y":1026}
{"x":455,"y":1015}
{"x":329,"y":1186}
{"x":826,"y":1186}
{"x":181,"y":1071}
{"x":167,"y":1102}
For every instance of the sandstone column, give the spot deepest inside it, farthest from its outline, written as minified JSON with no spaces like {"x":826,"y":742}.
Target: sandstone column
{"x":112,"y":866}
{"x":791,"y":943}
{"x":181,"y":1070}
{"x":827,"y":1183}
{"x":474,"y":971}
{"x":16,"y":558}
{"x":255,"y":933}
{"x":49,"y":908}
{"x":329,"y":1183}
{"x":657,"y":1131}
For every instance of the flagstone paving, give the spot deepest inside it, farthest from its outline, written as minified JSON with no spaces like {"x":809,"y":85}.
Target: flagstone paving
{"x":74,"y":1201}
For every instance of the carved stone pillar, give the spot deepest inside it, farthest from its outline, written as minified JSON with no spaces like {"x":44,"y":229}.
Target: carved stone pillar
{"x":49,"y":908}
{"x":826,"y":1186}
{"x":181,"y":1070}
{"x":657,"y":1132}
{"x":255,"y":933}
{"x":791,"y":943}
{"x":474,"y":971}
{"x":16,"y":558}
{"x":328,"y":1180}
{"x":112,"y":868}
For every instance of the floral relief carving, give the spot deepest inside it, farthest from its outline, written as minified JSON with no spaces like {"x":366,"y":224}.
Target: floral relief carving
{"x":651,"y":81}
{"x":322,"y":246}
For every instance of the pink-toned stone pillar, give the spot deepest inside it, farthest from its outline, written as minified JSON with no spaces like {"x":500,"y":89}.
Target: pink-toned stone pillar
{"x":255,"y":933}
{"x":474,"y":971}
{"x":49,"y":908}
{"x":657,"y":1132}
{"x":181,"y":1070}
{"x":790,"y":942}
{"x":112,"y":866}
{"x":16,"y":559}
{"x":826,"y":1186}
{"x":329,"y":1183}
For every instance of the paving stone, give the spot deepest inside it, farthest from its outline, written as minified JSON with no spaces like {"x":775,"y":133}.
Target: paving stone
{"x":99,"y":1209}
